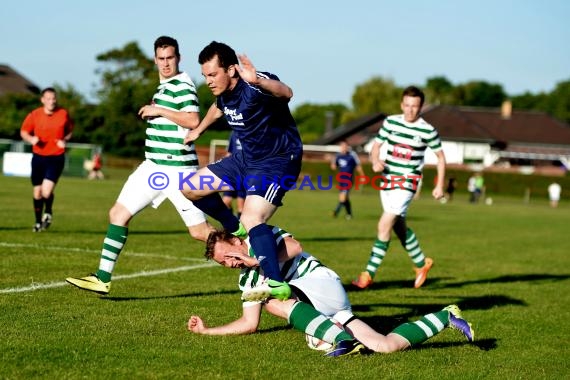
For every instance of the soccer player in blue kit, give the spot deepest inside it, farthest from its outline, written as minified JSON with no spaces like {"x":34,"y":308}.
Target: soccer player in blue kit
{"x":346,"y":161}
{"x":255,"y":105}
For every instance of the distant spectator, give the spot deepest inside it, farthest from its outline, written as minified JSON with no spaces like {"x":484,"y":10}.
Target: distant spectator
{"x":479,"y":186}
{"x":451,"y":186}
{"x":554,"y":190}
{"x":476,"y":187}
{"x":96,"y":166}
{"x":471,"y":188}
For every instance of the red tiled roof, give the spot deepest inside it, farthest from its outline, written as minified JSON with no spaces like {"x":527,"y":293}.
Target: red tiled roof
{"x":486,"y":124}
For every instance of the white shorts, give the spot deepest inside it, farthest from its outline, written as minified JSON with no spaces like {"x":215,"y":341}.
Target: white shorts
{"x":396,"y":201}
{"x":152,"y":184}
{"x":325,"y":291}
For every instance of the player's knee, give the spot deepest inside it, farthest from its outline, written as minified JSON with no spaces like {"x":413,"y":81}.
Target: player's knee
{"x":119,"y":215}
{"x":279,"y":308}
{"x":250,"y":220}
{"x":391,"y":343}
{"x":46,"y":193}
{"x":200,"y":232}
{"x":387,"y":347}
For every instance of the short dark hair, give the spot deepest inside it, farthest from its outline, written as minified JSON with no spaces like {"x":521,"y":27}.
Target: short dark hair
{"x":165,"y":41}
{"x":48,"y":89}
{"x":414,"y":92}
{"x":226,"y":55}
{"x":214,"y":237}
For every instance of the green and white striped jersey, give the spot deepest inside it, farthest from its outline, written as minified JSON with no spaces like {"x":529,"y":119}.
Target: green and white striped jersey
{"x":164,"y":143}
{"x":297,"y":267}
{"x":406,"y":146}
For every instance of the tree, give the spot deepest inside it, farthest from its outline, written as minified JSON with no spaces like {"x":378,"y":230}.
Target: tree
{"x":555,"y":103}
{"x":84,"y":115}
{"x":479,"y":94}
{"x":14,"y":108}
{"x":128,"y":80}
{"x":438,"y":90}
{"x":373,"y":96}
{"x":312,"y":119}
{"x":558,"y":102}
{"x":529,"y":101}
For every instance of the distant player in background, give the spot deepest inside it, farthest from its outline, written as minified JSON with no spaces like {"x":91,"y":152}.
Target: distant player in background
{"x":318,"y":296}
{"x":174,"y":110}
{"x":256,"y":106}
{"x":554,"y":191}
{"x":407,"y":136}
{"x":48,"y":129}
{"x":450,"y":190}
{"x":472,"y":188}
{"x":238,"y":194}
{"x":346,"y":162}
{"x":96,"y":171}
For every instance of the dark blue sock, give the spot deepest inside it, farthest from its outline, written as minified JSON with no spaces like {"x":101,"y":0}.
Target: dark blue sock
{"x":213,"y":206}
{"x":348,"y":207}
{"x":265,"y":249}
{"x":338,"y":207}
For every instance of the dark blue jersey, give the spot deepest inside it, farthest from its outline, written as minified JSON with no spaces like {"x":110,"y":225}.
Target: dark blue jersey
{"x":263,"y":123}
{"x":234,"y":144}
{"x":346,"y":163}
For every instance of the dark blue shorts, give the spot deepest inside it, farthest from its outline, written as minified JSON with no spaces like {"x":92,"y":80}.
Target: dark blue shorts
{"x":269,"y":178}
{"x":46,"y":167}
{"x":235,"y":193}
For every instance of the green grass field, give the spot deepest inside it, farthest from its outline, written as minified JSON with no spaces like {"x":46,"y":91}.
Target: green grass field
{"x":505,"y":265}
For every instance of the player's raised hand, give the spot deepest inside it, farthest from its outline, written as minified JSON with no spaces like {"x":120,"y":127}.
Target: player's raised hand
{"x":246,"y":69}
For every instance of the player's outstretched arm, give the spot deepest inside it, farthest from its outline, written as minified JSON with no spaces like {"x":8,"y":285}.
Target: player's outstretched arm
{"x":213,"y":114}
{"x":246,"y":324}
{"x":248,"y":73}
{"x":188,"y":120}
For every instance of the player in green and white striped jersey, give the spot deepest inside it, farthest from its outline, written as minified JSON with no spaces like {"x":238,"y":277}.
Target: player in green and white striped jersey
{"x":318,"y":296}
{"x":407,"y":136}
{"x":173,"y":112}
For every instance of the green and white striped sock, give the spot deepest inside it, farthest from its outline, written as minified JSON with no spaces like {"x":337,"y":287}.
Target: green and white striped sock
{"x":305,"y":318}
{"x":377,"y":254}
{"x":424,"y":328}
{"x":112,"y":245}
{"x":413,"y":248}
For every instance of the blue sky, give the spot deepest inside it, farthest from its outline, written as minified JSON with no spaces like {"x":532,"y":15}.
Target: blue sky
{"x":321,"y":49}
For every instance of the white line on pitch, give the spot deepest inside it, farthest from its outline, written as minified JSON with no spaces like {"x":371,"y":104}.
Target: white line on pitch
{"x":40,"y":286}
{"x":126,"y":252}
